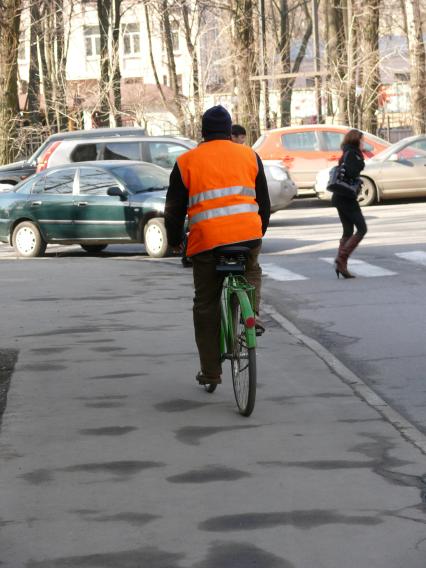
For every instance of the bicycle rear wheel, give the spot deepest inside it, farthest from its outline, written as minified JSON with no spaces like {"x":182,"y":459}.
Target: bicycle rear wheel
{"x":243,"y":363}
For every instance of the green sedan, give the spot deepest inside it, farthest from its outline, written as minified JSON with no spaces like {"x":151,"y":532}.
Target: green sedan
{"x":93,"y":204}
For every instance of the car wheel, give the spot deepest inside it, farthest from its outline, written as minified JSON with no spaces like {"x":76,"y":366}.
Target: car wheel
{"x":368,"y":193}
{"x":27,"y":240}
{"x":93,"y":249}
{"x":155,"y":238}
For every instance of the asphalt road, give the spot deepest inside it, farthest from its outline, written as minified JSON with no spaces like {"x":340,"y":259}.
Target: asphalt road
{"x":112,"y":456}
{"x":375,"y":323}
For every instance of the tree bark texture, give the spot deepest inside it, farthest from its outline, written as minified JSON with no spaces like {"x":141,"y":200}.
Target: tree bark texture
{"x":34,"y":78}
{"x":9,"y":103}
{"x":337,"y":57}
{"x":115,"y":59}
{"x":104,"y":18}
{"x":171,"y":63}
{"x":195,"y":131}
{"x":286,"y":85}
{"x":371,"y":65}
{"x":417,"y":65}
{"x":246,"y":56}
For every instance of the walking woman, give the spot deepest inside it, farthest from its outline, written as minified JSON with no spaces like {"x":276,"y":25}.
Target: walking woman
{"x":346,"y":201}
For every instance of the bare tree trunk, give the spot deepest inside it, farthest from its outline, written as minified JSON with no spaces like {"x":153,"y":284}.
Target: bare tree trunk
{"x":246,"y":65}
{"x":9,"y":102}
{"x":116,"y":72}
{"x":371,"y":71}
{"x":417,"y":65}
{"x":264,"y":65}
{"x":287,"y":84}
{"x":172,"y":67}
{"x":151,"y":56}
{"x":352,"y":32}
{"x":326,"y":38}
{"x":59,"y":66}
{"x":34,"y":78}
{"x":196,"y":121}
{"x":338,"y":57}
{"x":104,"y":15}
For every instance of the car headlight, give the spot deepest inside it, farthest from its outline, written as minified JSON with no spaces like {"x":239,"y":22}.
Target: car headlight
{"x":277,"y":173}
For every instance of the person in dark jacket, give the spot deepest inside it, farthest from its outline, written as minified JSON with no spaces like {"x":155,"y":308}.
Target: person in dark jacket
{"x":213,"y":181}
{"x":346,"y":202}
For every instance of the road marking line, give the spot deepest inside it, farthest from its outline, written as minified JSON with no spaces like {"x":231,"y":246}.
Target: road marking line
{"x":281,"y":274}
{"x":359,"y":387}
{"x":364,"y":268}
{"x":416,"y":256}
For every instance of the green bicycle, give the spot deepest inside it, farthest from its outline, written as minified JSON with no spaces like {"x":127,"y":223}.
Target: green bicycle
{"x":238,"y":332}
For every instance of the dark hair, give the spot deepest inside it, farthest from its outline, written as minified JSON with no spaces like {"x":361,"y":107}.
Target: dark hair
{"x":353,"y":137}
{"x":238,"y":130}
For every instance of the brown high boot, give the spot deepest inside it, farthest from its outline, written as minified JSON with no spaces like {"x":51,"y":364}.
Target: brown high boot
{"x":342,"y":243}
{"x":341,"y":264}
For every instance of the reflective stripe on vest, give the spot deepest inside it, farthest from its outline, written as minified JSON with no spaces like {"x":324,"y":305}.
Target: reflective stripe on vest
{"x":223,"y":212}
{"x":223,"y":192}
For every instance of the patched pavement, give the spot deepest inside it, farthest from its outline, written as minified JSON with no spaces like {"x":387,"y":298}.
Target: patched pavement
{"x":112,"y":456}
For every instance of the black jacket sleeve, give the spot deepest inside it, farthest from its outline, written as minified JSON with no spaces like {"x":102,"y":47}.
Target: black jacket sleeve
{"x":262,"y":196}
{"x":354,"y":164}
{"x":176,"y":208}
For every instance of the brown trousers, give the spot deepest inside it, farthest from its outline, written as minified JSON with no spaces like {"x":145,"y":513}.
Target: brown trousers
{"x":208,"y":290}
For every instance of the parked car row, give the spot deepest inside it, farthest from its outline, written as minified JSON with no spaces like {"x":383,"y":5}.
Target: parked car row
{"x":106,"y":186}
{"x":59,"y":205}
{"x":399,"y":171}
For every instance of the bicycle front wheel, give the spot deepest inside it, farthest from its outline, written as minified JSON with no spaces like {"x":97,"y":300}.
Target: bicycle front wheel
{"x":243,"y":362}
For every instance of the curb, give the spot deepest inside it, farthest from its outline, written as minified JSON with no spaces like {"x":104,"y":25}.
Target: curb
{"x":358,"y":386}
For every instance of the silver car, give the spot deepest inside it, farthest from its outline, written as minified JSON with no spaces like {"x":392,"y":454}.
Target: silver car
{"x":282,"y":188}
{"x":397,"y":172}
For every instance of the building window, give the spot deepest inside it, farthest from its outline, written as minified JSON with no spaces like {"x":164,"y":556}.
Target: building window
{"x":174,"y":28}
{"x":92,"y":41}
{"x":405,"y":77}
{"x":22,"y":50}
{"x":131,"y":39}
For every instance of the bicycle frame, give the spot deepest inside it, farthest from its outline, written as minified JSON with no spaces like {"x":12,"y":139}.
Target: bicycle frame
{"x":245,"y":292}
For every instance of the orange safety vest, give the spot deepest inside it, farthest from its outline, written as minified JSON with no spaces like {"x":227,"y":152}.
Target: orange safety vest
{"x":221,"y":178}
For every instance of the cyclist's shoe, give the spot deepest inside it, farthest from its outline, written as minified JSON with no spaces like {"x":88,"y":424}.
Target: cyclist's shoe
{"x":207,"y":380}
{"x":259,"y":326}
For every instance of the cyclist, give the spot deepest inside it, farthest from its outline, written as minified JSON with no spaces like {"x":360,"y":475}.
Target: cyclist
{"x":222,"y":187}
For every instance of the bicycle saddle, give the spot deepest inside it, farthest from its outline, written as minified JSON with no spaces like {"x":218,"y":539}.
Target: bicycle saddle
{"x":232,"y":251}
{"x":231,"y":259}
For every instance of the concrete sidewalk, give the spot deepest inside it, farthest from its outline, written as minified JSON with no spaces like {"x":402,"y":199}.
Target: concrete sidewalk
{"x":112,"y":457}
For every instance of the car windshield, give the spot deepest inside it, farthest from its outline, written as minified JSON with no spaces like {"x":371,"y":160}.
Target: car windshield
{"x":402,"y":147}
{"x":142,"y":177}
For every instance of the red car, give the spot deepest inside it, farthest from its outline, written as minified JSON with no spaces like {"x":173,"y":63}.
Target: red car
{"x":305,"y":150}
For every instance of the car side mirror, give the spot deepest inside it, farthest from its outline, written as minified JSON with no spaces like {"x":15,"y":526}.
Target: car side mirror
{"x":393,"y":157}
{"x":116,"y":191}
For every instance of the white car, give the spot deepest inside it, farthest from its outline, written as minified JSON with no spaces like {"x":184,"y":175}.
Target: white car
{"x":281,"y":187}
{"x":321,"y":185}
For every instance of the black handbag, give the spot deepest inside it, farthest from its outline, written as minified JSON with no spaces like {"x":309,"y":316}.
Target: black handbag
{"x":338,"y":184}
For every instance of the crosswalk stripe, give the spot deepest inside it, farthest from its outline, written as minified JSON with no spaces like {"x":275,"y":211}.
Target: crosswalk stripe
{"x":281,"y":274}
{"x":416,"y":256}
{"x":364,"y":268}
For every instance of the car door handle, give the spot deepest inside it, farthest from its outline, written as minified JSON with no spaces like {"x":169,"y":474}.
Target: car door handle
{"x":288,"y":158}
{"x":36,"y":203}
{"x":333,"y":158}
{"x":82,"y":203}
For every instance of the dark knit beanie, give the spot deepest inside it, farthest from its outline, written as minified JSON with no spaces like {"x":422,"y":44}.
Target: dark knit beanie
{"x":216,"y":122}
